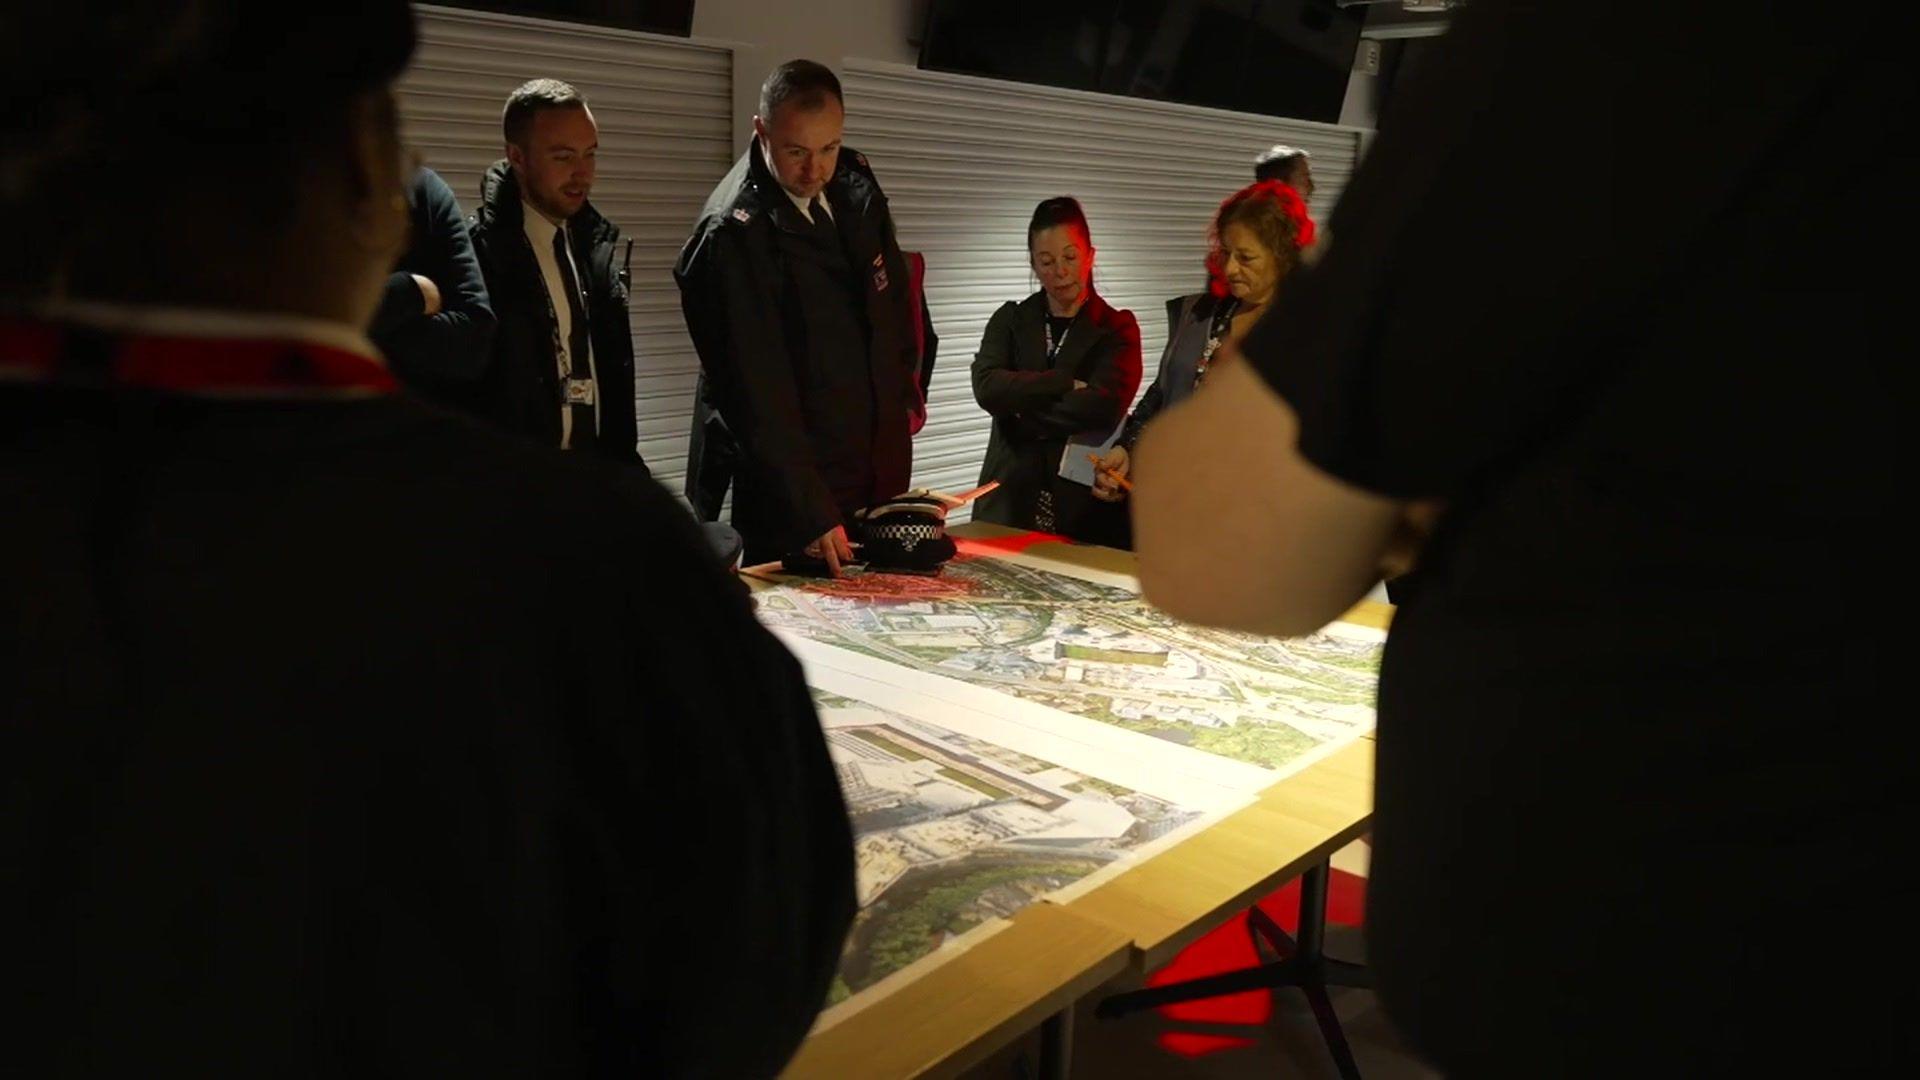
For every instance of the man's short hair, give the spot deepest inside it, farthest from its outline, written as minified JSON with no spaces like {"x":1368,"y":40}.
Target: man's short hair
{"x":1277,"y":161}
{"x":533,"y":96}
{"x":801,"y":83}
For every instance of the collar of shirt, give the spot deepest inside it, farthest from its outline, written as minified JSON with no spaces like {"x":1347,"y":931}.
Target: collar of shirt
{"x":208,"y":324}
{"x":539,"y":229}
{"x":800,"y":204}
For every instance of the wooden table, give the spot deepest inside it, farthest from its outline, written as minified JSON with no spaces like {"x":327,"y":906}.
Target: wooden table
{"x":964,"y":1007}
{"x":1172,"y":899}
{"x":967,"y":1006}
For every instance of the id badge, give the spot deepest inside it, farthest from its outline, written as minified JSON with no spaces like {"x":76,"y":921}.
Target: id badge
{"x":579,"y":391}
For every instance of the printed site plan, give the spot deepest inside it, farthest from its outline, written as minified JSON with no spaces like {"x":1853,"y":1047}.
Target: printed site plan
{"x":1007,"y":730}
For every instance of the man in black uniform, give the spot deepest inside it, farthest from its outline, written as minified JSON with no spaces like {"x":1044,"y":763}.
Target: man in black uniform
{"x":321,"y":756}
{"x":795,"y":293}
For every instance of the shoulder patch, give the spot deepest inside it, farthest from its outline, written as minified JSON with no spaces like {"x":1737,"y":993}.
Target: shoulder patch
{"x":862,"y":159}
{"x":742,"y":215}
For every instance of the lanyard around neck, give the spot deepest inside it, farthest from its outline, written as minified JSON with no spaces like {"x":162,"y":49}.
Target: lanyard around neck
{"x":1054,"y":347}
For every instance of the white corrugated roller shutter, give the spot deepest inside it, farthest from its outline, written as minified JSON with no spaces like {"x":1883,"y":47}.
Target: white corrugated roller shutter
{"x":664,"y":106}
{"x":963,"y":161}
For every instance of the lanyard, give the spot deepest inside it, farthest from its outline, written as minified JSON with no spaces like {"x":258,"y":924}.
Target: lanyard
{"x":563,"y":359}
{"x":1216,"y":336}
{"x":1053,"y":347}
{"x":44,"y":352}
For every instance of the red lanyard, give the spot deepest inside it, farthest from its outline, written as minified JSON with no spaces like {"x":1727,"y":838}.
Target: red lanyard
{"x":52,"y":353}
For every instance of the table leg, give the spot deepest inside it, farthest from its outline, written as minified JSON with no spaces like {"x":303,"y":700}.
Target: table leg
{"x":1056,"y":1045}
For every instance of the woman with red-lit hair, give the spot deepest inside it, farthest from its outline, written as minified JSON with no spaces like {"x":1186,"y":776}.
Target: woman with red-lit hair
{"x":1255,"y":242}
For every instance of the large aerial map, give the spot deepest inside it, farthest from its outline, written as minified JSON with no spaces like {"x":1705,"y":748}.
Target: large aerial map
{"x":951,"y":832}
{"x":1098,"y":651}
{"x":1007,"y":731}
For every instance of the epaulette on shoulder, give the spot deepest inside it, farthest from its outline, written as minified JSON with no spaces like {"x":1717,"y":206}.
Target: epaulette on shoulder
{"x":734,"y":217}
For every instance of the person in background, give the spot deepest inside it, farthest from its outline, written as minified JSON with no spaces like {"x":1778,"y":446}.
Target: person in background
{"x":1254,"y":243}
{"x":1287,"y":165}
{"x":434,"y":325}
{"x":926,"y":342}
{"x":562,"y":370}
{"x":796,"y":295}
{"x":1060,"y":365}
{"x":344,"y":736}
{"x":1640,"y":732}
{"x":1293,"y":167}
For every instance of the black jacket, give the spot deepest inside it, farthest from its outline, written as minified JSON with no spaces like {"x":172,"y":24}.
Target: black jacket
{"x":784,"y":417}
{"x":316,"y":740}
{"x":520,"y":389}
{"x":1036,"y":408}
{"x":438,"y":356}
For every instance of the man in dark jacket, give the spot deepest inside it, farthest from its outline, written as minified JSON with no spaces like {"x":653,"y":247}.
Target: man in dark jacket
{"x":795,"y":292}
{"x":435,"y":324}
{"x":320,"y":755}
{"x":562,"y":364}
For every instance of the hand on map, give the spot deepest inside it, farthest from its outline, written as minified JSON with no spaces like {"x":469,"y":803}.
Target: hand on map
{"x":1108,"y":474}
{"x":1409,"y":537}
{"x":833,"y":548}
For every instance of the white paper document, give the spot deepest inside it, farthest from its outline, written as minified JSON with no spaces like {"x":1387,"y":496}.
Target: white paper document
{"x":1076,"y":461}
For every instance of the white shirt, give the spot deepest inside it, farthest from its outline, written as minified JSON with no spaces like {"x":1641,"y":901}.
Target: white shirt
{"x":799,"y":203}
{"x":540,"y":234}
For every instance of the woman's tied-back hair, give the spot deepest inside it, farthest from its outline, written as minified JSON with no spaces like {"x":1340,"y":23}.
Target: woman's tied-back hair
{"x":1273,"y":212}
{"x":1057,"y":211}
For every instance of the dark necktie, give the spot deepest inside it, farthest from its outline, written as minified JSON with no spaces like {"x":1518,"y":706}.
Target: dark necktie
{"x":822,"y":220}
{"x":578,"y":342}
